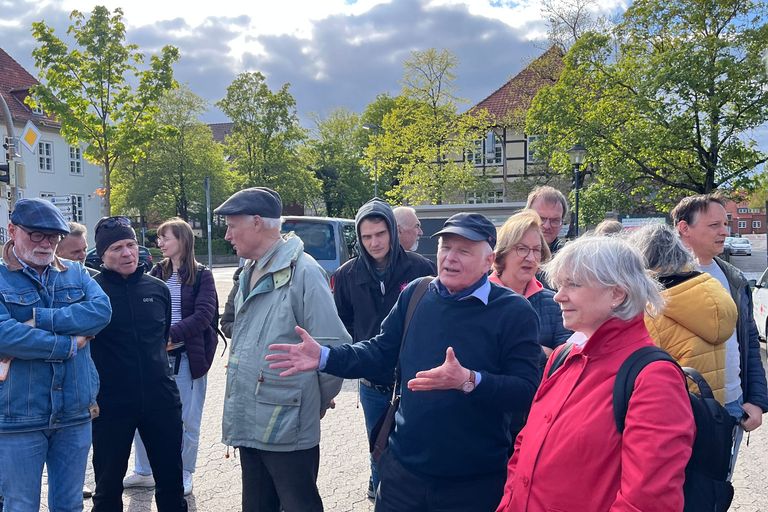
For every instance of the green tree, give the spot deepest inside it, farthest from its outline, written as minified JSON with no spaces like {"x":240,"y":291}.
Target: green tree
{"x":97,"y":91}
{"x":333,"y":152}
{"x":670,"y":110}
{"x":265,"y":138}
{"x":420,"y":146}
{"x":169,"y":180}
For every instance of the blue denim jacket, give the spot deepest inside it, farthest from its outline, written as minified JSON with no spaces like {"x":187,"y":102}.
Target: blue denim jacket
{"x":51,"y":383}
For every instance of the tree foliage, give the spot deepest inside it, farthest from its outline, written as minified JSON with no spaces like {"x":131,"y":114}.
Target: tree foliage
{"x":265,"y":138}
{"x":670,"y":111}
{"x":169,"y":180}
{"x":419,"y":150}
{"x":96,"y":89}
{"x":333,"y":153}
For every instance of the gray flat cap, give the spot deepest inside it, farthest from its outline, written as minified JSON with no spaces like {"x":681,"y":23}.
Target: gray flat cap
{"x":39,"y":215}
{"x":260,"y":201}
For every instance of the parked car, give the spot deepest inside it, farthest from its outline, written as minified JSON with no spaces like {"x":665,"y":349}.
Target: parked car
{"x":331,"y":241}
{"x":145,"y":258}
{"x":760,"y":303}
{"x":738,"y":245}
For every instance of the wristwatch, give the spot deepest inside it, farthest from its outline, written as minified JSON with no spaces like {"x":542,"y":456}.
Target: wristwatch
{"x":469,"y":386}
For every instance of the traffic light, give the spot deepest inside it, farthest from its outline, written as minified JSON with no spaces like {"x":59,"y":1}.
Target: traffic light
{"x":5,"y":172}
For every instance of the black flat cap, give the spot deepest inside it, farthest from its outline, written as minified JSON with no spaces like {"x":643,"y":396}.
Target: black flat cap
{"x":39,"y":215}
{"x":260,"y":201}
{"x":471,"y":226}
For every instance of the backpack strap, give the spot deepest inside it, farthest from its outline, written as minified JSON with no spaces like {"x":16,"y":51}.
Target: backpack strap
{"x":625,"y":379}
{"x":559,"y":358}
{"x":198,"y":277}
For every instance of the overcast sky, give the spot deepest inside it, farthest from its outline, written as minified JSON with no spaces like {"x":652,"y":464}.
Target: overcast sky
{"x":334,"y":53}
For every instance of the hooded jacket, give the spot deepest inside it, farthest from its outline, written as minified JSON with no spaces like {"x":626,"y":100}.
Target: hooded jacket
{"x":698,"y":318}
{"x":363,"y":296}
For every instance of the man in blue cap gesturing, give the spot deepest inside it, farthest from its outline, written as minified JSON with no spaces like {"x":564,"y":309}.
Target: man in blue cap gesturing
{"x":49,"y":310}
{"x":469,"y":357}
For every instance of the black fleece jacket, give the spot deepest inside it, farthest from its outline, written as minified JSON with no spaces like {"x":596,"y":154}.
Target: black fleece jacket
{"x":130,"y":353}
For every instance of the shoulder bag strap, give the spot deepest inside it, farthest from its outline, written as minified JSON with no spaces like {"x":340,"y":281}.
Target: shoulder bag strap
{"x":418,"y":293}
{"x":559,"y":358}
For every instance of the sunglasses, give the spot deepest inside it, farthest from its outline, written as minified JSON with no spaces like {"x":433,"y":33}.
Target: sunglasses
{"x":112,"y":222}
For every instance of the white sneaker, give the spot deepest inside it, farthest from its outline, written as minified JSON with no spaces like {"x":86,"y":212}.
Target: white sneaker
{"x":137,"y":480}
{"x":187,"y":483}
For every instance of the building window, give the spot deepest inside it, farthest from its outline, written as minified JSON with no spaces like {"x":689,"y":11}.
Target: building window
{"x":77,"y":211}
{"x":729,"y":216}
{"x":743,"y":210}
{"x":45,"y":156}
{"x":756,"y":224}
{"x":494,"y":196}
{"x":38,"y":110}
{"x":531,"y":149}
{"x":75,"y":160}
{"x":754,"y":210}
{"x":483,"y":154}
{"x":742,"y":224}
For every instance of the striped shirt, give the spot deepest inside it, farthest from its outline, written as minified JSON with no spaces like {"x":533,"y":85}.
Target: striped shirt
{"x":174,"y":285}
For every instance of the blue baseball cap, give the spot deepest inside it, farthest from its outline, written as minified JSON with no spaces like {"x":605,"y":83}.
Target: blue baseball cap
{"x":471,"y":226}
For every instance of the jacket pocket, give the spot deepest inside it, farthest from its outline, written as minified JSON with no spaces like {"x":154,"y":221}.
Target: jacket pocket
{"x":277,"y":413}
{"x":20,"y":303}
{"x":65,"y":295}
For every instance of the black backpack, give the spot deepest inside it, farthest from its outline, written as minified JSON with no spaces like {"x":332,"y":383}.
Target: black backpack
{"x":706,"y":486}
{"x":215,"y":319}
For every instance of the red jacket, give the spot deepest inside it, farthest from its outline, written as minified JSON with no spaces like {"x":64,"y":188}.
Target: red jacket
{"x":570,"y":457}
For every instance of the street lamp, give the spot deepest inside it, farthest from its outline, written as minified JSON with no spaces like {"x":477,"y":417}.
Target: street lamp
{"x":577,"y":154}
{"x":376,"y":129}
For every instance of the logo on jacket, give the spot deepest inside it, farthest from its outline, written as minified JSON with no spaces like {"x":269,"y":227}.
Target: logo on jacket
{"x":148,"y":299}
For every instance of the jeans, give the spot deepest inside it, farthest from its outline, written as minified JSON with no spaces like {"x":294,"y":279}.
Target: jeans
{"x":22,"y":457}
{"x":192,"y":394}
{"x":736,"y":411}
{"x":375,"y":404}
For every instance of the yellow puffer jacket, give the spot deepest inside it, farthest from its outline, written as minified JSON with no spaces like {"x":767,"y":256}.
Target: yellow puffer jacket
{"x":698,"y":319}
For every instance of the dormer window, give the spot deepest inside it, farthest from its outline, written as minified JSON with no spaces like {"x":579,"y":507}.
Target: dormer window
{"x":38,"y":110}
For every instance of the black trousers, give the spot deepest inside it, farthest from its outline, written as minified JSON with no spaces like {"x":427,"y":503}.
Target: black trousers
{"x":403,"y":491}
{"x":275,"y":479}
{"x":112,"y":439}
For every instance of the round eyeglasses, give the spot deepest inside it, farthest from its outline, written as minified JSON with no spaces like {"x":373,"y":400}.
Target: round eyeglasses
{"x":39,"y":236}
{"x":523,"y":252}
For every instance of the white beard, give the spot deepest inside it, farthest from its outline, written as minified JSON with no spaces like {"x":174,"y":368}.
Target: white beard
{"x":414,"y":246}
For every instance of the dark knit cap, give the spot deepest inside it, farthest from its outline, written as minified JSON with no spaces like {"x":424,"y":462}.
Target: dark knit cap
{"x":261,"y":201}
{"x":110,"y":230}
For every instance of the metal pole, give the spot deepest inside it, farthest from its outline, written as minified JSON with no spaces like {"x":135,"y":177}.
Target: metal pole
{"x":376,"y":175}
{"x":576,"y":193}
{"x":766,"y":201}
{"x":208,"y":218}
{"x":11,"y":136}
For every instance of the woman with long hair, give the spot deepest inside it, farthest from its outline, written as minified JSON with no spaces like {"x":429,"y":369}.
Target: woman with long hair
{"x":192,"y":342}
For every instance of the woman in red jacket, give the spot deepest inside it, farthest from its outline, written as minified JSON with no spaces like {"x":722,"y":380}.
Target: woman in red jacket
{"x":570,"y":456}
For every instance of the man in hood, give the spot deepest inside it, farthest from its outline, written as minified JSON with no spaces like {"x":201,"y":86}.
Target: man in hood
{"x":366,"y":288}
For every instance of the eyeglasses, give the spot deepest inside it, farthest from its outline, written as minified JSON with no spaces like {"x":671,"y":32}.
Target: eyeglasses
{"x":555,"y":223}
{"x":112,"y":222}
{"x":523,"y":252}
{"x":39,"y":236}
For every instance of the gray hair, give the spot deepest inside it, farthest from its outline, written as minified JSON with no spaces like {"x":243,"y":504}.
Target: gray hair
{"x":77,"y":229}
{"x":608,"y":261}
{"x":270,"y":223}
{"x":662,"y":249}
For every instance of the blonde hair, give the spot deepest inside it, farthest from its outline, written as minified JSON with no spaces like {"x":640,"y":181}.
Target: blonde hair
{"x":510,"y":234}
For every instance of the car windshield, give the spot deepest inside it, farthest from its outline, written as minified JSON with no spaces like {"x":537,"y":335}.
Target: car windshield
{"x":740,"y":241}
{"x":319,"y":240}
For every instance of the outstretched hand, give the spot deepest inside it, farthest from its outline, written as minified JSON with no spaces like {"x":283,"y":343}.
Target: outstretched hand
{"x":300,"y":357}
{"x":449,"y":375}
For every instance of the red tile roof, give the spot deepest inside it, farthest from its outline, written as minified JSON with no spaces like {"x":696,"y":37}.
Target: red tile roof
{"x":514,"y":97}
{"x":15,"y":82}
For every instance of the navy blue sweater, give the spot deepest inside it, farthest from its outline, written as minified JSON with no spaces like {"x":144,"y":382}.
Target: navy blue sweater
{"x":447,"y":434}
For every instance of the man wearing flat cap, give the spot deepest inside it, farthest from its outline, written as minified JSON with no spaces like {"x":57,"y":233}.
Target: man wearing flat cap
{"x":137,"y":391}
{"x":49,"y":311}
{"x":469,"y":358}
{"x":275,"y":422}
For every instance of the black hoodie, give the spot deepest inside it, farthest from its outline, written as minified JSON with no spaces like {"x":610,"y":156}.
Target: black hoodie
{"x":363,"y":296}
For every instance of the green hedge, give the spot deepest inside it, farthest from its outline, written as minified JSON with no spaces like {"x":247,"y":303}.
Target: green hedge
{"x":219,"y":246}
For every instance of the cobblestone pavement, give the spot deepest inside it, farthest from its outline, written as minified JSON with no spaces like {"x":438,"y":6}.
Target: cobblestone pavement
{"x":344,"y":456}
